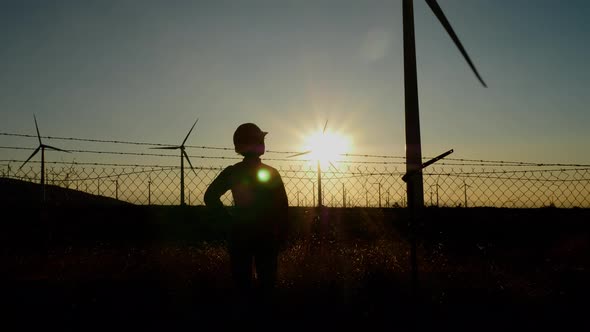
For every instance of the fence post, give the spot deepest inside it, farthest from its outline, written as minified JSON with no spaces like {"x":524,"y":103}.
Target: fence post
{"x":149,"y":191}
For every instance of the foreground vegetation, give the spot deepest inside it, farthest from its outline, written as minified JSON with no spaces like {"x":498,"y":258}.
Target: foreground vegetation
{"x":169,"y":265}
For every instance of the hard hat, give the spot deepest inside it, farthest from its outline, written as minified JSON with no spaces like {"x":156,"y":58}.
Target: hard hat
{"x":248,"y":138}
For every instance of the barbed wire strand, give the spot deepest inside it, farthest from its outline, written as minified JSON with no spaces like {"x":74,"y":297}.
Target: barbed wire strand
{"x":462,"y":160}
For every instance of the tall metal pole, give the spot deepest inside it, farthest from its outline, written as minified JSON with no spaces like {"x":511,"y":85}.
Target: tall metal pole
{"x":415,"y":191}
{"x":343,"y":196}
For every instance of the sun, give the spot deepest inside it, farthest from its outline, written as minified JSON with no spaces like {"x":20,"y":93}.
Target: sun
{"x":327,"y":146}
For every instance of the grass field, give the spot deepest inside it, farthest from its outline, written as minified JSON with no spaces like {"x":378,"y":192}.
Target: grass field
{"x":483,"y":269}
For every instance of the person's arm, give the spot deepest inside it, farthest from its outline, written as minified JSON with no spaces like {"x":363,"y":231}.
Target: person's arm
{"x":216,"y":189}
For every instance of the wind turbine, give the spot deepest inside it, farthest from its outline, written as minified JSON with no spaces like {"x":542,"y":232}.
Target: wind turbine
{"x":320,"y":200}
{"x":182,"y":156}
{"x":415,"y":188}
{"x":41,"y":147}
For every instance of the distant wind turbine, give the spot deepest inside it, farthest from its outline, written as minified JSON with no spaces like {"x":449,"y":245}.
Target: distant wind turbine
{"x":42,"y":148}
{"x":415,"y":191}
{"x":182,"y":156}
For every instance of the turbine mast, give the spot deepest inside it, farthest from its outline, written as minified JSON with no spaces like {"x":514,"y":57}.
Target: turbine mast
{"x":415,"y":190}
{"x":320,"y":203}
{"x":42,"y":173}
{"x":182,"y":175}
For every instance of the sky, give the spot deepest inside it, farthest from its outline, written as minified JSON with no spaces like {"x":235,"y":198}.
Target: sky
{"x":145,"y":70}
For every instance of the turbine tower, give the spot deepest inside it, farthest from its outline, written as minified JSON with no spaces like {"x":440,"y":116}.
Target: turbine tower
{"x":415,"y":191}
{"x":41,"y":147}
{"x":182,"y":156}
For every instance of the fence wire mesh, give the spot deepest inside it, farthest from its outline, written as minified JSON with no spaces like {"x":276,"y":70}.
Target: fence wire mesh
{"x":355,"y":180}
{"x":343,"y":184}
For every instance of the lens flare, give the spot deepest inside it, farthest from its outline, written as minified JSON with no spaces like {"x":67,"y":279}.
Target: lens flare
{"x":263,"y":175}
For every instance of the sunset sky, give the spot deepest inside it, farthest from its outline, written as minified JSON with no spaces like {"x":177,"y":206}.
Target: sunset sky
{"x":145,"y":70}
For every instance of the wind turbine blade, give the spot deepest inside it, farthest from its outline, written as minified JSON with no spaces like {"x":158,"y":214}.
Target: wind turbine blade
{"x":37,"y":127}
{"x":56,"y":149}
{"x":445,"y":23}
{"x":437,"y":158}
{"x":325,"y":126}
{"x":31,"y":156}
{"x":299,"y":154}
{"x":166,"y":148}
{"x":189,"y":132}
{"x":331,"y":164}
{"x":187,"y":159}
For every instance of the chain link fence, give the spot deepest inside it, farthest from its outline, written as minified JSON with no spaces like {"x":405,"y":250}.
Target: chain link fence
{"x":343,"y":184}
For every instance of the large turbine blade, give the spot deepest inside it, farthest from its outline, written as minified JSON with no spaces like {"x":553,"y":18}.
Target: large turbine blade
{"x":187,"y":158}
{"x":299,"y":154}
{"x":445,"y":23}
{"x":31,"y":156}
{"x":54,"y":148}
{"x":426,"y":164}
{"x":333,"y":166}
{"x":189,"y":132}
{"x":437,"y":158}
{"x":166,"y":148}
{"x":37,"y":127}
{"x":325,"y":126}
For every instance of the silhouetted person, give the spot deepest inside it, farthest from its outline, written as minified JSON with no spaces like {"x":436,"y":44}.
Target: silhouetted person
{"x":258,"y":220}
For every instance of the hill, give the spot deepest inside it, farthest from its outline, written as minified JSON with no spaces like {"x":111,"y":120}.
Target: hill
{"x":20,"y":193}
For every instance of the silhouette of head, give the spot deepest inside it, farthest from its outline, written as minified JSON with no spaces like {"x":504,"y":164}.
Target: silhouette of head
{"x":249,"y":140}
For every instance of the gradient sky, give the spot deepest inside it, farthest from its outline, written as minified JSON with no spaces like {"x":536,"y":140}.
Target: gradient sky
{"x":144,"y":70}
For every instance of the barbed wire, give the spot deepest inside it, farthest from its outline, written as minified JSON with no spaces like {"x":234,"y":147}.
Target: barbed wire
{"x":478,"y":176}
{"x":133,"y":143}
{"x":146,"y":154}
{"x":335,"y":173}
{"x":447,"y":161}
{"x":442,"y":163}
{"x":88,"y":163}
{"x":473,"y":172}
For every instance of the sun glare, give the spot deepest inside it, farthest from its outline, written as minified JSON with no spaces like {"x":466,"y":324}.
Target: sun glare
{"x":327,"y":147}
